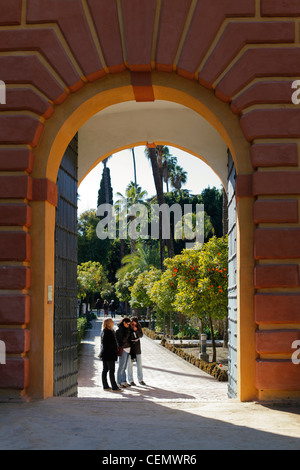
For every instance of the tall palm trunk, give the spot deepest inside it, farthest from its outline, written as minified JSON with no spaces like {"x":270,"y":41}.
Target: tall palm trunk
{"x":134,"y":166}
{"x":157,"y":175}
{"x":160,"y":198}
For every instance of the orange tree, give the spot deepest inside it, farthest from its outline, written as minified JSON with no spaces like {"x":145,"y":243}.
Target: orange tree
{"x":202,"y":282}
{"x":162,"y":294}
{"x":140,"y":291}
{"x":91,"y":280}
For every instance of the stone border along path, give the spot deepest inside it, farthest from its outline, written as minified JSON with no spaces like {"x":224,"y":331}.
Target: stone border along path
{"x":168,"y":377}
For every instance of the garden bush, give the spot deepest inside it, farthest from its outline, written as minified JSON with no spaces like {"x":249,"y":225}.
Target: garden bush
{"x":81,"y":327}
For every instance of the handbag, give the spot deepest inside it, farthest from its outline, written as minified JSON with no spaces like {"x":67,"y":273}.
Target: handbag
{"x":120,"y":351}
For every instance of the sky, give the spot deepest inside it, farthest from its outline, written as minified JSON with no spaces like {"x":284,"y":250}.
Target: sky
{"x":199,"y":176}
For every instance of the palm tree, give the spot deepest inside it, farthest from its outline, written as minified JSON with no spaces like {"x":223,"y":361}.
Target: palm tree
{"x":155,"y":156}
{"x":178,"y":177}
{"x":134,"y":165}
{"x":142,"y":259}
{"x":134,"y":194}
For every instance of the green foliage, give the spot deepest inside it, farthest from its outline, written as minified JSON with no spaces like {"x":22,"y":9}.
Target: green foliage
{"x":212,"y":198}
{"x":91,"y":279}
{"x":90,"y":248}
{"x":123,"y":285}
{"x":140,"y":291}
{"x":201,"y":280}
{"x":145,"y":256}
{"x":81,"y":327}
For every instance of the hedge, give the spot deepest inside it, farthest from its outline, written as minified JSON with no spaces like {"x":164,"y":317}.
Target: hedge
{"x":81,"y":327}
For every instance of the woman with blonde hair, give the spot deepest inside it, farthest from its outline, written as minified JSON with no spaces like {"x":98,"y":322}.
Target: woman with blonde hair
{"x":109,"y":355}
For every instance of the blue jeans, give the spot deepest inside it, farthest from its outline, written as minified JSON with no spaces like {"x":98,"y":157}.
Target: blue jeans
{"x":121,"y":376}
{"x":138,"y":367}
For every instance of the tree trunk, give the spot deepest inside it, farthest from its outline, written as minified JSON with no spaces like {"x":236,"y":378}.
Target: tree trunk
{"x":213,"y":343}
{"x":160,"y":199}
{"x":134,"y":167}
{"x":132,"y":240}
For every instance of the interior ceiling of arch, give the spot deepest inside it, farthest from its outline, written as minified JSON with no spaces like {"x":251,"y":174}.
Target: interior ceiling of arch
{"x":122,"y":125}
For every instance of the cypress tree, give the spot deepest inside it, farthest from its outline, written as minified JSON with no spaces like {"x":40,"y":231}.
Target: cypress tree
{"x":105,"y":193}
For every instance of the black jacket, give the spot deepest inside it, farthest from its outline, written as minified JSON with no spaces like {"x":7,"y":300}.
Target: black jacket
{"x":109,"y":346}
{"x":136,"y":345}
{"x":123,"y":335}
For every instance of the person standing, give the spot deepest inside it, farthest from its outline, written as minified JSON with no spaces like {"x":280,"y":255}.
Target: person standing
{"x":98,"y":307}
{"x":136,"y":333}
{"x":112,"y":309}
{"x":106,"y":308}
{"x":109,"y":355}
{"x":123,"y":335}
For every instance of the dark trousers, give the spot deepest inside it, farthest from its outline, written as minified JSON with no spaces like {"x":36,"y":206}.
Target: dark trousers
{"x":109,"y":366}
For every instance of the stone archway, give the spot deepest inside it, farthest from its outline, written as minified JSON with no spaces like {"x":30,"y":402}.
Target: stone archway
{"x":58,"y":59}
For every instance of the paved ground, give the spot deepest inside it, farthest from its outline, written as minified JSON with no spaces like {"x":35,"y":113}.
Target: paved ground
{"x":181,"y":408}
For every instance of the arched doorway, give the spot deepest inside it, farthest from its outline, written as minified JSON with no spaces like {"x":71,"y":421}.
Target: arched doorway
{"x":192,"y":123}
{"x":230,"y":62}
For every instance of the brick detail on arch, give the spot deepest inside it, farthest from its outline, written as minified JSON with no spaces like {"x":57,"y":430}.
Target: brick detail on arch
{"x":138,"y":19}
{"x":16,"y":341}
{"x":271,"y":123}
{"x":11,"y":12}
{"x":206,"y":22}
{"x":263,"y":93}
{"x":255,"y":63}
{"x":235,"y":37}
{"x":273,"y":155}
{"x":276,"y":243}
{"x":16,"y":160}
{"x":15,"y":215}
{"x":19,"y":129}
{"x":277,"y":375}
{"x":15,"y":277}
{"x":173,"y":16}
{"x":14,"y":309}
{"x":276,"y":341}
{"x":29,"y":69}
{"x":15,"y":246}
{"x":15,"y":373}
{"x":47,"y":43}
{"x":15,"y":187}
{"x":276,"y":211}
{"x":266,"y":276}
{"x":142,"y":86}
{"x":280,"y":8}
{"x":268,"y":183}
{"x":277,"y":308}
{"x":105,"y":17}
{"x":24,"y":99}
{"x":74,"y":27}
{"x":44,"y":190}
